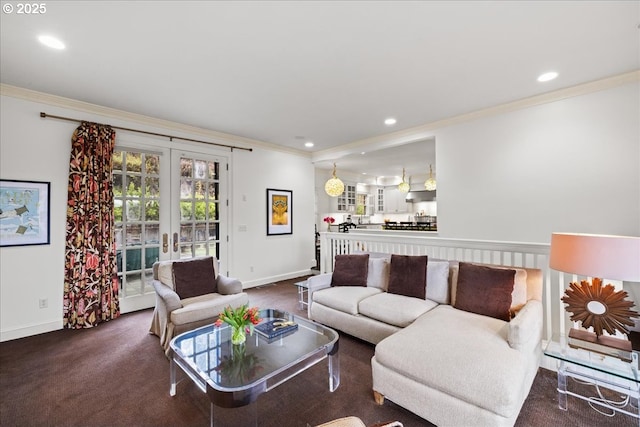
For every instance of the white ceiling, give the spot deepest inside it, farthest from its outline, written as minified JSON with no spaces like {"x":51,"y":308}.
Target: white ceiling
{"x":329,"y":72}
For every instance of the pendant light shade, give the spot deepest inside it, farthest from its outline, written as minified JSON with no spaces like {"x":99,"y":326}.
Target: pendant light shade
{"x":404,"y":185}
{"x":430,"y":183}
{"x":334,"y":187}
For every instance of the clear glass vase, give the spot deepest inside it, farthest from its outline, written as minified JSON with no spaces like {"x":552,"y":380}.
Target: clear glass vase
{"x":238,"y":335}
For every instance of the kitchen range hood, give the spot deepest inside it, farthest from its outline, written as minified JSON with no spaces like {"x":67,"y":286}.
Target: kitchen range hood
{"x":420,"y":196}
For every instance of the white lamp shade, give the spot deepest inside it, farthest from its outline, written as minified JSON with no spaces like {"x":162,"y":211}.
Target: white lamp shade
{"x":606,"y":257}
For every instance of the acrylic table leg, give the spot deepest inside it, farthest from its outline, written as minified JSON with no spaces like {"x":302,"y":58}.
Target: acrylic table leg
{"x":172,"y":377}
{"x":334,"y":371}
{"x":300,"y":297}
{"x":562,"y":386}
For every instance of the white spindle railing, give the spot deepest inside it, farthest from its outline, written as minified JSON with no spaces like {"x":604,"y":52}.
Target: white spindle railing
{"x":530,"y":255}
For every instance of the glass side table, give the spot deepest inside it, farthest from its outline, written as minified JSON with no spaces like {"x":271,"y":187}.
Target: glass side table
{"x":600,"y":370}
{"x":303,"y":294}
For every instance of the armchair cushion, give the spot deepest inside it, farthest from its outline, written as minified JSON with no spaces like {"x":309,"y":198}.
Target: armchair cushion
{"x":194,"y":278}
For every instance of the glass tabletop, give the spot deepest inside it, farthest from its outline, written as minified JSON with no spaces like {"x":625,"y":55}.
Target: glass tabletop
{"x":560,"y":349}
{"x":225,"y":367}
{"x":304,"y":284}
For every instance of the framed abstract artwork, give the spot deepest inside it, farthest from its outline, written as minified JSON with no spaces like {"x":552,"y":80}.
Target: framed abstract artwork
{"x":24,"y":212}
{"x":279,"y":212}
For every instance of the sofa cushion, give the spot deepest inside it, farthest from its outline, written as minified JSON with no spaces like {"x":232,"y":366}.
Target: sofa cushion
{"x":461,"y":354}
{"x":485,"y":290}
{"x":344,"y":298}
{"x":350,"y":270}
{"x":438,"y":281}
{"x":397,"y":310}
{"x":378,"y":274}
{"x":408,"y":275}
{"x":194,"y":277}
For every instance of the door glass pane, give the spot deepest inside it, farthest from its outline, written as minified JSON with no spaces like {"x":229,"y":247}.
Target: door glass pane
{"x":137,"y":219}
{"x":199,"y":216}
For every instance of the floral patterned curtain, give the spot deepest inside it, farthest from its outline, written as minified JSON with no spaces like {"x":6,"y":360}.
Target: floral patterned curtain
{"x":90,"y":282}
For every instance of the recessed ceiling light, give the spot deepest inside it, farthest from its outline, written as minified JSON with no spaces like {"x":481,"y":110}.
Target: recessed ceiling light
{"x":51,"y":42}
{"x":308,"y":144}
{"x":547,"y":76}
{"x":390,"y":121}
{"x":363,"y":152}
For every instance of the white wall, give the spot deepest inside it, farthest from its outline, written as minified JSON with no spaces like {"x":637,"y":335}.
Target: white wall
{"x":271,"y":257}
{"x":32,"y":148}
{"x":572,"y":165}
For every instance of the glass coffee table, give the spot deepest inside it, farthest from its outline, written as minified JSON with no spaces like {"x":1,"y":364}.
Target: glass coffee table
{"x":600,"y":370}
{"x":234,"y":376}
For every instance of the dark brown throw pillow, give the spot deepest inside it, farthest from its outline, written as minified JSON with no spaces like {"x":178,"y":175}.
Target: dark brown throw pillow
{"x":350,"y":270}
{"x":408,"y":275}
{"x":485,"y":290}
{"x":194,"y":277}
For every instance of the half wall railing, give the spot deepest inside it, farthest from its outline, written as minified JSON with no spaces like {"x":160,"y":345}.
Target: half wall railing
{"x":529,"y":255}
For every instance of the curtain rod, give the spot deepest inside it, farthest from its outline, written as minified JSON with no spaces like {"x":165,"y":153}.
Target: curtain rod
{"x":171,"y":137}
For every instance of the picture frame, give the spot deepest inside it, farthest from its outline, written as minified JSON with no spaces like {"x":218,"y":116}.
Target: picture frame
{"x":24,"y":212}
{"x":279,"y":212}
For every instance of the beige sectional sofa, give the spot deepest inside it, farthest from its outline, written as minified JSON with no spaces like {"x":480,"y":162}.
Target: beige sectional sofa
{"x":451,"y":366}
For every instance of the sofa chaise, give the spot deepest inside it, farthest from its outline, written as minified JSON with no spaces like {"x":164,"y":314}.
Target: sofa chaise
{"x":462,"y":352}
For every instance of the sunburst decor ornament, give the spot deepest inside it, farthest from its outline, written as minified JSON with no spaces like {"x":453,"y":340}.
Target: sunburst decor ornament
{"x":601,"y":308}
{"x":404,"y":185}
{"x":430,"y":183}
{"x":334,"y":186}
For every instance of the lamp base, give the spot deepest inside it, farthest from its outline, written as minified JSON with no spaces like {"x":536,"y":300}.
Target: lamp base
{"x":609,"y":346}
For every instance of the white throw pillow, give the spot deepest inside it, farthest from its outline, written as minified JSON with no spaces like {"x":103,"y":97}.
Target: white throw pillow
{"x":378,"y":274}
{"x":438,"y":281}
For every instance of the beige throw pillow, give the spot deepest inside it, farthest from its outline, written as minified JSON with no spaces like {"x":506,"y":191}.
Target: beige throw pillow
{"x":378,"y":275}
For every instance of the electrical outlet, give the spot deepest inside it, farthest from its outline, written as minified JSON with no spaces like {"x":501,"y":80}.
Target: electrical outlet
{"x":251,"y":269}
{"x":44,"y":303}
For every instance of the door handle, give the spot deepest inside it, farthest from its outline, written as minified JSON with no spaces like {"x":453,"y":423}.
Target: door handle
{"x":175,"y":242}
{"x":165,"y":243}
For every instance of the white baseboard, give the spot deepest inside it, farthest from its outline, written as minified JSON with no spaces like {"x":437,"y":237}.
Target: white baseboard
{"x":273,"y":279}
{"x":27,"y":331}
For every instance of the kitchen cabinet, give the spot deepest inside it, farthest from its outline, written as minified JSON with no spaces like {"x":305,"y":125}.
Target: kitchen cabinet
{"x":347,"y":200}
{"x":379,"y":199}
{"x":394,"y":200}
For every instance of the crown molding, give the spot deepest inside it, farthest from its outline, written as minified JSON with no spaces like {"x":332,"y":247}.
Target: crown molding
{"x":86,"y":107}
{"x":419,"y":133}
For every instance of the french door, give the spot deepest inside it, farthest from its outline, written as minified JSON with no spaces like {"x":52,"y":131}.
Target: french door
{"x":169,"y":204}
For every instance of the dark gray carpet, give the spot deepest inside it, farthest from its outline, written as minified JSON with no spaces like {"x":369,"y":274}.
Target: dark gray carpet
{"x":117,"y":375}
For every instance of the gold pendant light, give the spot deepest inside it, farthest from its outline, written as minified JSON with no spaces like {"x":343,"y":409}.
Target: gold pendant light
{"x":334,"y":187}
{"x":430,"y":183}
{"x":404,"y":185}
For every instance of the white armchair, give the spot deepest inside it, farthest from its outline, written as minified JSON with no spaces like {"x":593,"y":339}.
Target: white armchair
{"x":190,"y":293}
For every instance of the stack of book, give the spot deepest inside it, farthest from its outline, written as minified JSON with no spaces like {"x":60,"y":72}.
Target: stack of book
{"x":276,"y":328}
